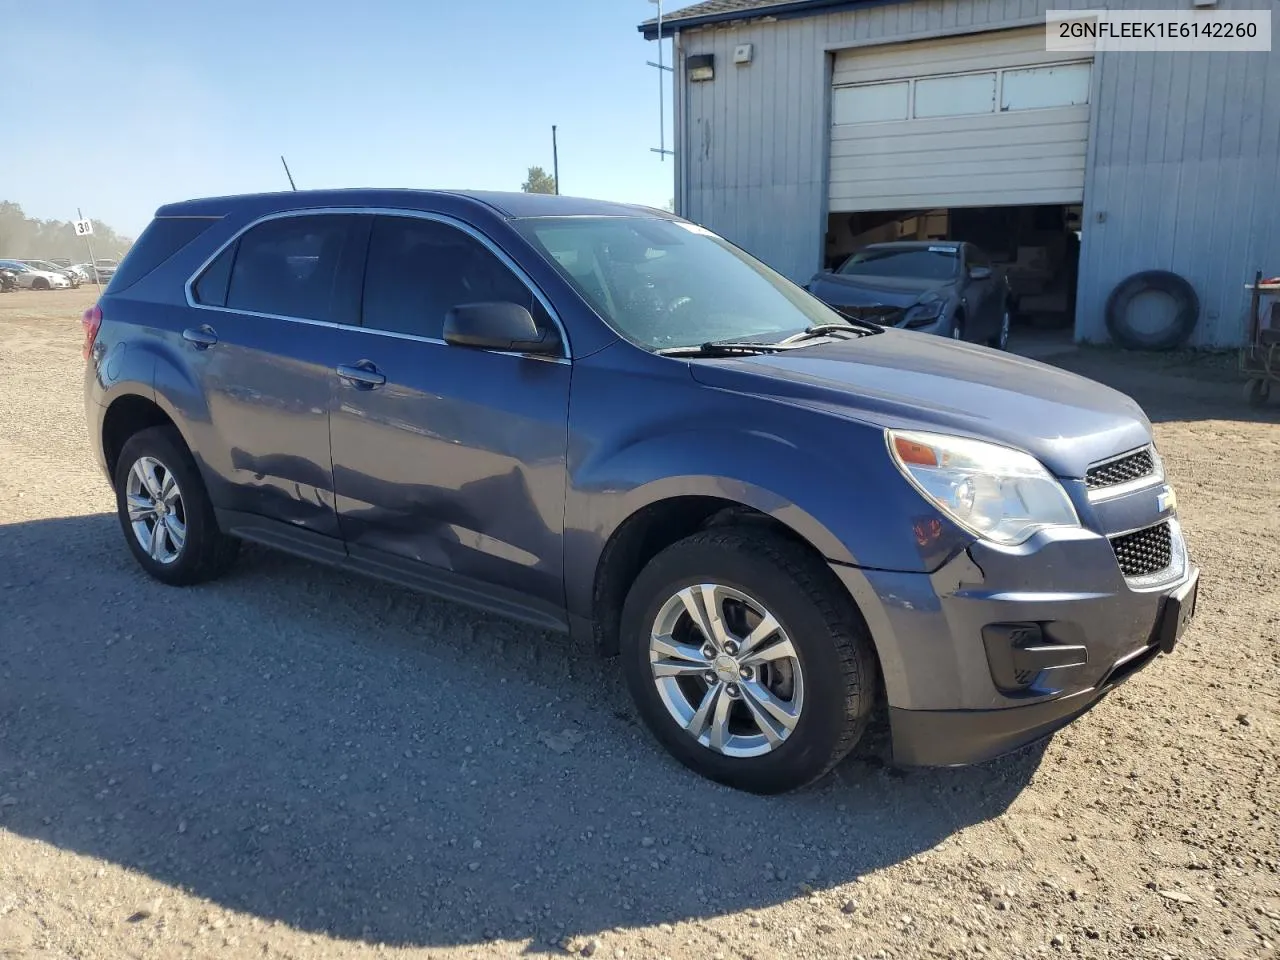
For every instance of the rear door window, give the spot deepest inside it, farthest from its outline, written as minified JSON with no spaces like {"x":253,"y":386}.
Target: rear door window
{"x":293,"y":267}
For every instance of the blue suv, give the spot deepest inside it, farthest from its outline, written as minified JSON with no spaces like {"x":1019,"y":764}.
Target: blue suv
{"x":603,"y":419}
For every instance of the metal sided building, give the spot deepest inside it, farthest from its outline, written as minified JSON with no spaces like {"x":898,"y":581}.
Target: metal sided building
{"x":806,"y":128}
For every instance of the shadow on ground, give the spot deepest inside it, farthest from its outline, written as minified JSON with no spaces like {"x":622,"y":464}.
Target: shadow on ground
{"x":355,"y":759}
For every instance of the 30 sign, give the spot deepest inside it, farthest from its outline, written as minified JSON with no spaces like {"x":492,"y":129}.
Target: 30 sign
{"x":84,"y":228}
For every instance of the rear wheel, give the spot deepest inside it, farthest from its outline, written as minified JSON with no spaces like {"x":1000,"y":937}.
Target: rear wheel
{"x":746,"y":660}
{"x":166,"y":514}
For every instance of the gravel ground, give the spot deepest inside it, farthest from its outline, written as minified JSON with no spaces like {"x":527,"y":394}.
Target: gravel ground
{"x":296,"y":763}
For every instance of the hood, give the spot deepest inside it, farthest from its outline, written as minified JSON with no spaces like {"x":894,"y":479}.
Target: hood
{"x":873,"y":291}
{"x":910,"y":380}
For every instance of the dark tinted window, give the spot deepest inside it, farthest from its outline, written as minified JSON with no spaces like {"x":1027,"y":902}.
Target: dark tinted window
{"x":923,"y":263}
{"x":163,"y":237}
{"x":211,"y":287}
{"x":289,"y":267}
{"x":419,"y":269}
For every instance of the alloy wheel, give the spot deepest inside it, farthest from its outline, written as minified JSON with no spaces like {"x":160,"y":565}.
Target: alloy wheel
{"x":156,"y":511}
{"x":725,"y":670}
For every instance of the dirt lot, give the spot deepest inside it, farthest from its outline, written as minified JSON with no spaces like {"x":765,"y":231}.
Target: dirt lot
{"x":295,"y":763}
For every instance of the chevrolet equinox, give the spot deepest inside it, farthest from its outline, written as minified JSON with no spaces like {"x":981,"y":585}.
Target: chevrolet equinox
{"x":603,"y":419}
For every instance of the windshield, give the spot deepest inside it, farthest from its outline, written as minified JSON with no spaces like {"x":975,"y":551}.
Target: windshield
{"x":666,"y":283}
{"x":919,"y":263}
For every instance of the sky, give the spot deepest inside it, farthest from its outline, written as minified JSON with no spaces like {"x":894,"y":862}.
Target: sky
{"x":146,"y":102}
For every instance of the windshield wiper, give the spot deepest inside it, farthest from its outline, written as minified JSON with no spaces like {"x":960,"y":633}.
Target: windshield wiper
{"x":854,"y":328}
{"x":729,"y":348}
{"x":722,"y":348}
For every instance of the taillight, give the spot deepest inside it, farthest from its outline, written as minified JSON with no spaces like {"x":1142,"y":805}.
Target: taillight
{"x":91,"y":321}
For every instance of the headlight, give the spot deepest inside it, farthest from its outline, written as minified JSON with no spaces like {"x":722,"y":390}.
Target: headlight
{"x":923,"y":313}
{"x":995,"y":492}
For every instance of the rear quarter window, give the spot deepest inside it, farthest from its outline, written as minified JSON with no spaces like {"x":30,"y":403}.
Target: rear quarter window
{"x":211,"y":288}
{"x":163,"y":237}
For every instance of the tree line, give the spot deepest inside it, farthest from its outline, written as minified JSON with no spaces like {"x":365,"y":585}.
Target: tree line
{"x":31,"y":239}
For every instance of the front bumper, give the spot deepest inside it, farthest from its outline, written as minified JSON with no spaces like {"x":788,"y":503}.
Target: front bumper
{"x":934,"y":738}
{"x":961,"y":691}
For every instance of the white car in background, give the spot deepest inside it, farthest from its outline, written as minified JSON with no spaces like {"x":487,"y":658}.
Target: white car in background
{"x":104,"y":270}
{"x":32,"y":279}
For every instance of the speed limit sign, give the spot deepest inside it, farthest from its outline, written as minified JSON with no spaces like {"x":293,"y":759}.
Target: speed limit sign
{"x":84,"y":228}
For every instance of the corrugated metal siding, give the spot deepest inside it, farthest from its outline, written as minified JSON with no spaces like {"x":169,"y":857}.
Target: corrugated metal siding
{"x":1184,"y":155}
{"x":1184,"y":176}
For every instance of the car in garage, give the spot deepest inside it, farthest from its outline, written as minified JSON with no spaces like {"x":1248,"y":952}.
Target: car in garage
{"x":606,"y":420}
{"x":932,"y":286}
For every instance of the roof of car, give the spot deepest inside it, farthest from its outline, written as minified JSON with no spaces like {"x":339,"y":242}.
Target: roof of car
{"x":914,"y":245}
{"x":506,"y":204}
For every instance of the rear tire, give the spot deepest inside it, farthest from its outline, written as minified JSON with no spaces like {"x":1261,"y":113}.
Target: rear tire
{"x":817,"y":666}
{"x":155,"y":467}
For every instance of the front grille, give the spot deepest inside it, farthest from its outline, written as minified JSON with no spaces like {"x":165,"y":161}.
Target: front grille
{"x":885,"y":316}
{"x":1144,"y":551}
{"x":1132,"y":466}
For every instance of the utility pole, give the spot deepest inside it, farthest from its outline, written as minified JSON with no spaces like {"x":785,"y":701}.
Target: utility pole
{"x":88,"y":240}
{"x":555,"y":160}
{"x":661,"y":150}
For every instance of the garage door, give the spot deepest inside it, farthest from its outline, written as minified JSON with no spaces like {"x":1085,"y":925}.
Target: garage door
{"x":988,"y":119}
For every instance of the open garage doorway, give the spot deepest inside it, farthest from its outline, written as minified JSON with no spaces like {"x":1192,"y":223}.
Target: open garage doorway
{"x":1037,"y":247}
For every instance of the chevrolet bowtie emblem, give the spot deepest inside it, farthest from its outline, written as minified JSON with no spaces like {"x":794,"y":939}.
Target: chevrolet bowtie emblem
{"x":1166,"y":499}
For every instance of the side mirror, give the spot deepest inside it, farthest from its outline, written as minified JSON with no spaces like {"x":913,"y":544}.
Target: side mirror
{"x":496,"y":326}
{"x":979,"y":273}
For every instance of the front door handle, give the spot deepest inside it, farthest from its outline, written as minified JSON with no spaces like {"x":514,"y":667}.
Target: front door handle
{"x":202,"y":337}
{"x":363,"y":374}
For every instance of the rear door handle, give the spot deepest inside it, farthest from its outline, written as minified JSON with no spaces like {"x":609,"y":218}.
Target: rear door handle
{"x":202,"y":336}
{"x":363,"y":374}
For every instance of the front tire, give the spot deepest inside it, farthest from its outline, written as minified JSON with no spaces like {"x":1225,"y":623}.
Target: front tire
{"x":165,"y":512}
{"x":1256,"y":392}
{"x":1000,"y":339}
{"x":39,"y":283}
{"x":747,"y":660}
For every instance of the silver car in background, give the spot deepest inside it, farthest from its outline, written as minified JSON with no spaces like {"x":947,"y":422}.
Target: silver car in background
{"x":30,"y":278}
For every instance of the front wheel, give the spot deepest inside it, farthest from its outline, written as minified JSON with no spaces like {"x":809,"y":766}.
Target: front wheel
{"x":747,"y":660}
{"x":1256,"y":392}
{"x":1000,"y":339}
{"x":39,"y":283}
{"x":166,"y":514}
